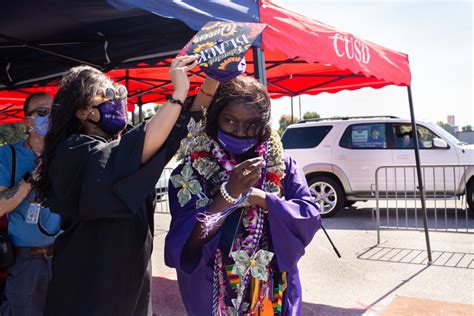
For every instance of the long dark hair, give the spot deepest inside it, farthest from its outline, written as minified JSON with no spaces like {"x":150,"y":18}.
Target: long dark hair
{"x":244,"y":90}
{"x":78,"y":88}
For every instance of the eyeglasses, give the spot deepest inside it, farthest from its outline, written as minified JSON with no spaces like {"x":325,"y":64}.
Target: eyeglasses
{"x":40,"y":111}
{"x":112,"y":93}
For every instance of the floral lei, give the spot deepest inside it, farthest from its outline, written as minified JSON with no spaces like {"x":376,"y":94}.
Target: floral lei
{"x":203,"y":155}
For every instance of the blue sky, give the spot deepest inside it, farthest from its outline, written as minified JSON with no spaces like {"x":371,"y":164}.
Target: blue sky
{"x":437,"y":36}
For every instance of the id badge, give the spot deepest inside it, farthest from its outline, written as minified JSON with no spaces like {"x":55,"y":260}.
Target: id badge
{"x":33,"y":213}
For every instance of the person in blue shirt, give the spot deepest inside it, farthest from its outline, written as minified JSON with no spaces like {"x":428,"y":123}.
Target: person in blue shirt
{"x":31,"y":227}
{"x":376,"y":138}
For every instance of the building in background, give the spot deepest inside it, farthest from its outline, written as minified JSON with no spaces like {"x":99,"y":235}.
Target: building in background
{"x":451,"y":126}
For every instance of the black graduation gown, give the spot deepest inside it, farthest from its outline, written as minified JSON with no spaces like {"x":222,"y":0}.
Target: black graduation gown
{"x":106,"y":198}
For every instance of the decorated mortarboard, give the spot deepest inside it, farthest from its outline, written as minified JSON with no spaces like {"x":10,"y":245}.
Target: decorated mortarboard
{"x":221,"y":47}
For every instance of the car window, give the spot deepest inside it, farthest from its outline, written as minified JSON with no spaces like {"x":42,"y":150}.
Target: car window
{"x":425,"y":137}
{"x":402,"y":134}
{"x":304,"y":137}
{"x":364,"y":136}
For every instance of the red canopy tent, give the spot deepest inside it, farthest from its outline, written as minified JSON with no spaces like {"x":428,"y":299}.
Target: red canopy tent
{"x":302,"y":56}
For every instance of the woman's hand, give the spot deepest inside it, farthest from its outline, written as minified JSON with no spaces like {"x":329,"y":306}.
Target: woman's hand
{"x":258,"y":197}
{"x":241,"y":179}
{"x":160,"y":125}
{"x":178,"y":73}
{"x":244,"y":176}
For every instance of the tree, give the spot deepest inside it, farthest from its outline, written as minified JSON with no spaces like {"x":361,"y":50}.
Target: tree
{"x":447,"y":127}
{"x":284,"y":121}
{"x":467,"y":128}
{"x":11,"y":133}
{"x":310,"y":115}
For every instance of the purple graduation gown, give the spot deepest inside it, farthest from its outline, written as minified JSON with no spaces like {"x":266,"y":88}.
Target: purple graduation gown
{"x":293,"y":221}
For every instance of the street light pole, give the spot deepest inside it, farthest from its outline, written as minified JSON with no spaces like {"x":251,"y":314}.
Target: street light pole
{"x":299,"y":99}
{"x":292,"y":121}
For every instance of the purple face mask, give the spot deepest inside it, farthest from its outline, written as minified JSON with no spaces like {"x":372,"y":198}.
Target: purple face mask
{"x":113,"y":116}
{"x":235,"y":145}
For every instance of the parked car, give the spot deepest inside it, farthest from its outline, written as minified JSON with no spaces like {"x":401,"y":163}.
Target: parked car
{"x":341,"y":155}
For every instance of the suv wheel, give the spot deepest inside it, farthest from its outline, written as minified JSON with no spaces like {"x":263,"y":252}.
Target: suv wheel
{"x":470,"y":195}
{"x":328,"y":194}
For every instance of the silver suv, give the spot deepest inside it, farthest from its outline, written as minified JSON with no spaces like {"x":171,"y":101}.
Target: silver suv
{"x":340,"y":155}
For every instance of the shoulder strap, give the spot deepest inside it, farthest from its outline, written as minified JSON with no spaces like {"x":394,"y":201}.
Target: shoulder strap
{"x":13,"y":177}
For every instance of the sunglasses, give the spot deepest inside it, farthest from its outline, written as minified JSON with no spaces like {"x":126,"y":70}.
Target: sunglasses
{"x":39,"y":111}
{"x":112,"y":93}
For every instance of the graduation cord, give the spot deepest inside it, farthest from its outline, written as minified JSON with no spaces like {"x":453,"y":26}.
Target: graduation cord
{"x":215,"y":287}
{"x":211,"y":221}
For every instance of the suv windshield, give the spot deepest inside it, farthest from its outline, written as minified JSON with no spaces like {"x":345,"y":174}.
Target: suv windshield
{"x":304,"y":137}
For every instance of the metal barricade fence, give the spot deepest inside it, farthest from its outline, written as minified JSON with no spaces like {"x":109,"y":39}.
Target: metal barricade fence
{"x":162,"y":201}
{"x":398,"y":204}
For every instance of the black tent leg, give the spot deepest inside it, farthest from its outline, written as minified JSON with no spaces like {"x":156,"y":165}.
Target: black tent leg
{"x":127,"y":80}
{"x":259,"y":65}
{"x":140,"y":110}
{"x":419,"y":175}
{"x":330,"y":241}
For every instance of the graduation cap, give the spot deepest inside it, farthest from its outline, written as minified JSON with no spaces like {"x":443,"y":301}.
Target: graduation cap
{"x":221,"y":47}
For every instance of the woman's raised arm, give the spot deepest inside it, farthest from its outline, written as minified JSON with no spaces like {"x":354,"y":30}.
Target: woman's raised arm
{"x":160,"y":125}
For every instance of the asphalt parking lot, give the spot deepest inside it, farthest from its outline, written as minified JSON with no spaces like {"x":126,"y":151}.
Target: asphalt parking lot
{"x":368,"y":277}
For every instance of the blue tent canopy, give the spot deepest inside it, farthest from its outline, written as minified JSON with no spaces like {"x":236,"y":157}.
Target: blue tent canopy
{"x":196,"y":13}
{"x":39,"y":40}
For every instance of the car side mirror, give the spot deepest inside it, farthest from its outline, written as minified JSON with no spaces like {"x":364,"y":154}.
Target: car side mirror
{"x":439,"y":143}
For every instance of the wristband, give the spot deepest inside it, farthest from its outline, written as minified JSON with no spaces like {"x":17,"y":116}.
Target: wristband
{"x":175,"y":101}
{"x":205,"y":93}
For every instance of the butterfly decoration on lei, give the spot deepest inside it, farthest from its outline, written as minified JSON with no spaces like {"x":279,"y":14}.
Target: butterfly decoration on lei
{"x":256,"y":264}
{"x":188,"y":184}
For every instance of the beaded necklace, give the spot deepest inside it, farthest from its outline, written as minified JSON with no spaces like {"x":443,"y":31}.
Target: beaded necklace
{"x":251,"y":257}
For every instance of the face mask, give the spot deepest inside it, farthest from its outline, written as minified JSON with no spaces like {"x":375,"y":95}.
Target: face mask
{"x":41,"y":125}
{"x":235,"y":145}
{"x":113,"y":117}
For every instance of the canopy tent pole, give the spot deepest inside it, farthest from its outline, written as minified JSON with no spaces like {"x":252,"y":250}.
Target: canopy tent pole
{"x":127,"y":83}
{"x":419,"y":175}
{"x":140,"y":110}
{"x":259,"y":65}
{"x":133,"y":115}
{"x":127,"y":78}
{"x":259,"y":70}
